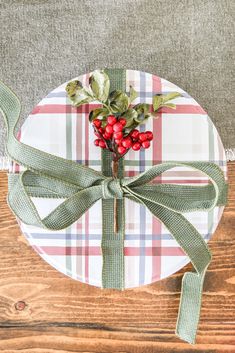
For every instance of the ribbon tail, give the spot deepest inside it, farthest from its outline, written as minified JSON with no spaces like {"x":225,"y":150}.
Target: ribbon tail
{"x":190,"y":306}
{"x":192,"y":243}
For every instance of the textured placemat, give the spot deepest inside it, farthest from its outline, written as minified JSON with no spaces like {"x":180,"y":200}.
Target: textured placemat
{"x":44,"y":43}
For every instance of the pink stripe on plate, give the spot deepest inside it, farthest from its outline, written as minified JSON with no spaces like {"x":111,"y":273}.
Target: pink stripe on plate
{"x":63,"y":108}
{"x":96,"y":251}
{"x":184,"y":109}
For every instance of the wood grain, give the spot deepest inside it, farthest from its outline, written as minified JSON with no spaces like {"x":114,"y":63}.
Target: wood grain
{"x":42,"y":311}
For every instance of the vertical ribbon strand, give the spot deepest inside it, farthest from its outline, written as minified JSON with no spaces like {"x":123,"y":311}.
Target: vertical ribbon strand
{"x":112,"y":244}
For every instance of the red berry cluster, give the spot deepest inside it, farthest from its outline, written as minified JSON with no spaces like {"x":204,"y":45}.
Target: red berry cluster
{"x":114,"y":131}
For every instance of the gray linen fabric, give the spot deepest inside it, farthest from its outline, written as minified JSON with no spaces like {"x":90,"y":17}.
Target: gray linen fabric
{"x":189,"y":42}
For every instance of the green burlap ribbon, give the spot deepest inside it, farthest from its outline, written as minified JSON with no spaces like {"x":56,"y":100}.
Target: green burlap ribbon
{"x":48,"y":176}
{"x":113,"y":242}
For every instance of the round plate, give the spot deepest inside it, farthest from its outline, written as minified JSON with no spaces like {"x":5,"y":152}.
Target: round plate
{"x":182,"y":134}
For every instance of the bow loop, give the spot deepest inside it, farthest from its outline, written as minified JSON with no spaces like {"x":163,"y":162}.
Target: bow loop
{"x":112,"y":188}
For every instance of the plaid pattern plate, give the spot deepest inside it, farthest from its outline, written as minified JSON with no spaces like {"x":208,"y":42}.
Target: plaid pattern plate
{"x":182,"y":134}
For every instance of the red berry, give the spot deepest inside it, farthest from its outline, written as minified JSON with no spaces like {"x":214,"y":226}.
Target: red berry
{"x":135,"y":134}
{"x":97,"y":123}
{"x":102,"y":144}
{"x":111,"y":119}
{"x":107,"y":136}
{"x":122,"y":121}
{"x":136,"y":146}
{"x":109,"y":129}
{"x":101,"y":130}
{"x":145,"y":144}
{"x":127,"y":142}
{"x":117,"y":127}
{"x":96,"y":142}
{"x":117,"y":135}
{"x":97,"y":134}
{"x":121,"y":149}
{"x":142,"y":137}
{"x":118,"y":142}
{"x":149,"y":135}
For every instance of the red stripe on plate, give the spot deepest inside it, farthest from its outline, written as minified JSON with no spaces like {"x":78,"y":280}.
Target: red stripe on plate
{"x":96,"y":251}
{"x":62,"y":108}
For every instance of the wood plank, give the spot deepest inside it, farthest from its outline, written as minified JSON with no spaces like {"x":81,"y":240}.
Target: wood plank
{"x":62,"y":315}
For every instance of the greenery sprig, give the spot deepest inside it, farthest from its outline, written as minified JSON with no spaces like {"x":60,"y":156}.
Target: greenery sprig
{"x":117,"y":102}
{"x":116,"y":121}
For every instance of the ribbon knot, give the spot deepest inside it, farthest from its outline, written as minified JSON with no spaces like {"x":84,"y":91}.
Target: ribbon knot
{"x":112,"y":188}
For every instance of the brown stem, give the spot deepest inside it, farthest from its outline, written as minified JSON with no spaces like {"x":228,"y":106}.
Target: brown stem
{"x":115,"y":175}
{"x":116,"y":157}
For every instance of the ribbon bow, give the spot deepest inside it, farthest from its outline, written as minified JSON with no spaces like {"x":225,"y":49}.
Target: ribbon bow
{"x":167,"y":202}
{"x":49,"y":176}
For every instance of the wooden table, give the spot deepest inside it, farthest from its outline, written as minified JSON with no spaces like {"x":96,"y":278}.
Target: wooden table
{"x":42,"y":311}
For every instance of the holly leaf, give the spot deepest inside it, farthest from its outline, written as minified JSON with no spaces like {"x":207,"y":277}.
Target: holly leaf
{"x":162,"y":100}
{"x":133,"y":94}
{"x":169,"y":96}
{"x":130,"y":128}
{"x":78,"y":94}
{"x":98,"y":112}
{"x":157,"y":101}
{"x":118,"y":101}
{"x":169,"y":105}
{"x":80,"y":99}
{"x":73,"y":87}
{"x":142,"y":118}
{"x":130,"y":115}
{"x":100,"y":84}
{"x":142,"y":108}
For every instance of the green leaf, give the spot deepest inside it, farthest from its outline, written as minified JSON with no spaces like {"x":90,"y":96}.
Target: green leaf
{"x":73,"y":87}
{"x":130,"y":115}
{"x":169,"y":105}
{"x":161,"y":100}
{"x":170,"y":96}
{"x":104,"y":122}
{"x":77,"y":94}
{"x":81,"y":98}
{"x":157,"y":101}
{"x":142,"y":108}
{"x":130,"y":128}
{"x":133,"y":94}
{"x":118,"y":101}
{"x":142,"y":118}
{"x":98,"y":112}
{"x":100,"y":84}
